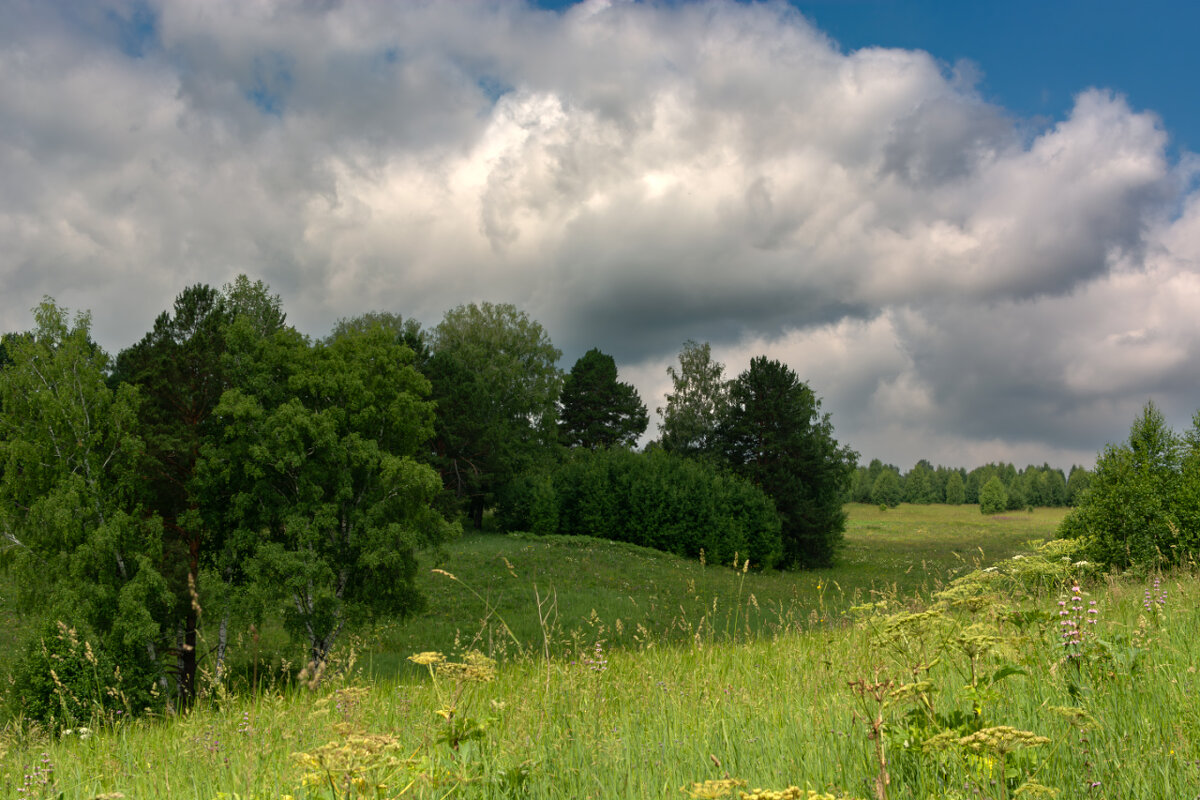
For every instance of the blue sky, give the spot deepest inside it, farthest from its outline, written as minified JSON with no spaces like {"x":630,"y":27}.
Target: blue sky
{"x":979,"y":244}
{"x":1034,"y":57}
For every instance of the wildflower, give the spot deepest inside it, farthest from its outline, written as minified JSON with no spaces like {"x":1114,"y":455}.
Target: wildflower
{"x":599,"y":663}
{"x":1001,"y":739}
{"x":475,"y":667}
{"x":427,"y":659}
{"x":1032,"y":788}
{"x":1071,"y":621}
{"x":709,"y":790}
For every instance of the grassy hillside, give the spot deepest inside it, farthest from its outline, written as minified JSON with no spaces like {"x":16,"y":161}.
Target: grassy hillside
{"x":968,"y":693}
{"x":661,"y":672}
{"x":637,"y":593}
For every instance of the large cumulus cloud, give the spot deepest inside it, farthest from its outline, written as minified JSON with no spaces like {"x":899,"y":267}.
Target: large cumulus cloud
{"x":958,"y":284}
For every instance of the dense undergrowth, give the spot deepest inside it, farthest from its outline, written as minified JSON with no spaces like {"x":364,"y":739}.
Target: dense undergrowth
{"x":1004,"y":681}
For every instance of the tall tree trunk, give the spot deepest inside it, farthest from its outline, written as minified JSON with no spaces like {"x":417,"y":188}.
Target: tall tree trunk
{"x":187,"y":661}
{"x":477,"y":511}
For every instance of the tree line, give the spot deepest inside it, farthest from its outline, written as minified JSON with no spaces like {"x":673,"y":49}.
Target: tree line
{"x":744,"y":468}
{"x":226,"y":464}
{"x":1010,"y":489}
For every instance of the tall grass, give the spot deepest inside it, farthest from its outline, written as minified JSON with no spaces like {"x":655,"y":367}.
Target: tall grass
{"x":1120,"y":721}
{"x":967,"y":692}
{"x":907,"y":550}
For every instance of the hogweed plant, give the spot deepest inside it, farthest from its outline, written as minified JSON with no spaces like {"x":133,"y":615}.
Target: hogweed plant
{"x":996,"y":745}
{"x":474,"y":668}
{"x":360,"y":765}
{"x":873,"y":697}
{"x":731,"y":787}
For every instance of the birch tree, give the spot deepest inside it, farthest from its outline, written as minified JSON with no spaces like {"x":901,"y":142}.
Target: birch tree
{"x":69,"y":452}
{"x":316,"y":484}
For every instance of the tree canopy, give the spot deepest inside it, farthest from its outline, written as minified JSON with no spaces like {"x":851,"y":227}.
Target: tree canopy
{"x":596,"y":409}
{"x":177,"y":369}
{"x":496,"y":386}
{"x":1143,"y":502}
{"x":70,"y":451}
{"x":224,"y":455}
{"x":773,"y":433}
{"x":316,"y":480}
{"x":888,"y":490}
{"x":698,"y":396}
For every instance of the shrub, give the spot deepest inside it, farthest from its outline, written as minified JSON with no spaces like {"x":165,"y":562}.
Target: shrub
{"x":656,"y":499}
{"x":529,"y":503}
{"x":64,"y":680}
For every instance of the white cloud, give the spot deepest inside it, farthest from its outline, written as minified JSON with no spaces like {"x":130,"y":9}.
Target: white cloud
{"x":633,"y":175}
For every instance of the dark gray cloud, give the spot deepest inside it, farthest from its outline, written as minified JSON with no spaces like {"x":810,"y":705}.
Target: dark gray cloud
{"x":958,"y":284}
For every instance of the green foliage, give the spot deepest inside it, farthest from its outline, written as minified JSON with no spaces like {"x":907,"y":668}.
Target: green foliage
{"x":323,"y":497}
{"x":1041,"y":487}
{"x":887,"y":490}
{"x":177,"y":369}
{"x":496,"y":388}
{"x":529,"y":503}
{"x":956,"y":493}
{"x":64,"y":679}
{"x":84,"y":551}
{"x":253,"y":301}
{"x":699,"y":395}
{"x":5,"y":359}
{"x":656,"y":499}
{"x":920,"y":484}
{"x":772,"y":433}
{"x":1140,"y":507}
{"x":1077,"y":484}
{"x":992,"y":497}
{"x":597,"y":410}
{"x":405,"y":331}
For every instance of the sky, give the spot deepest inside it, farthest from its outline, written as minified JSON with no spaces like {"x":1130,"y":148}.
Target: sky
{"x":972,"y":228}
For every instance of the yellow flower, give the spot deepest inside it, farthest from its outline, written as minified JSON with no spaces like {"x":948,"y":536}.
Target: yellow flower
{"x":427,"y":658}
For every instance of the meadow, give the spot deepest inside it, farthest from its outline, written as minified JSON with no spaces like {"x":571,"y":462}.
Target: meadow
{"x":946,"y":655}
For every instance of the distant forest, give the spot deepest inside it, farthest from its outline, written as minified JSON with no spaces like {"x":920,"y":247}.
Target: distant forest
{"x":1043,"y":486}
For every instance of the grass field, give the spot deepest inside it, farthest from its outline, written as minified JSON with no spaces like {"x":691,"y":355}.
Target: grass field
{"x":945,"y":681}
{"x":900,"y":551}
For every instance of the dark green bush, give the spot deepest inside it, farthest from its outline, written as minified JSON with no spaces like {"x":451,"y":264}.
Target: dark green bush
{"x":529,"y":503}
{"x":64,"y":680}
{"x":654,"y":499}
